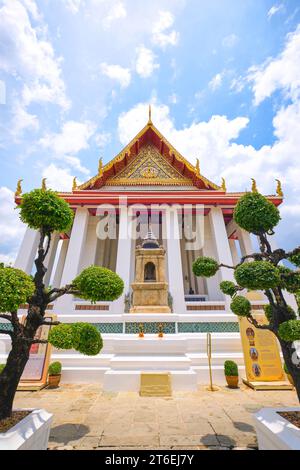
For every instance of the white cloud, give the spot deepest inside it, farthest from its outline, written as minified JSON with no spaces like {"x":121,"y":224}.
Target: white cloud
{"x":28,"y":55}
{"x":145,"y":62}
{"x":58,"y":178}
{"x":230,"y":41}
{"x":161,"y":34}
{"x":282,"y":72}
{"x":116,"y":12}
{"x":22,"y":120}
{"x":73,"y":138}
{"x":117,"y":73}
{"x":102,"y":139}
{"x":11,"y":228}
{"x":216,"y":81}
{"x":275,"y":9}
{"x":73,"y":5}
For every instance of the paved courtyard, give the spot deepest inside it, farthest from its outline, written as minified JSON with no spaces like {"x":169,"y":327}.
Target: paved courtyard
{"x":85,"y":417}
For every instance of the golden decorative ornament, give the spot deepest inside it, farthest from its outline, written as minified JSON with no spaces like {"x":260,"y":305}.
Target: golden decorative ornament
{"x":149,"y":172}
{"x":279,"y":191}
{"x":223,"y":185}
{"x":197,"y":167}
{"x":100,"y":167}
{"x":19,"y":188}
{"x":150,"y":115}
{"x":44,"y":187}
{"x":254,"y":187}
{"x":74,"y":187}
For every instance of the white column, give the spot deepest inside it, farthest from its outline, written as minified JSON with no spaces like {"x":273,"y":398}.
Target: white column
{"x":49,"y":261}
{"x":60,"y":263}
{"x":222,"y":245}
{"x":73,"y":258}
{"x":123,"y":265}
{"x":176,"y":286}
{"x":234,"y":252}
{"x":245,"y":242}
{"x":89,"y":252}
{"x":28,"y":250}
{"x":209,"y":250}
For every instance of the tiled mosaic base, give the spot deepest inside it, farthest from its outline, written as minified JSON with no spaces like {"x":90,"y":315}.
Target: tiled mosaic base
{"x":150,"y":327}
{"x":208,"y":327}
{"x":168,"y":327}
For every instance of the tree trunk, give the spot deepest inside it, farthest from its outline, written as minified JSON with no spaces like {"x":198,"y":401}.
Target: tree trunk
{"x":10,"y":376}
{"x":293,"y":365}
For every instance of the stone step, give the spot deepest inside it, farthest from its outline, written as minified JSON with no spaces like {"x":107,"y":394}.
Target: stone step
{"x":149,"y":362}
{"x":129,"y":380}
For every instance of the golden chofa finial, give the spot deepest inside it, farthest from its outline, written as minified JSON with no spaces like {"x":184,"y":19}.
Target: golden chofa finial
{"x":19,"y":188}
{"x":197,"y":167}
{"x":150,"y":115}
{"x":279,"y":189}
{"x":74,"y":187}
{"x":44,"y":187}
{"x":100,"y":167}
{"x":223,"y":185}
{"x":254,"y":187}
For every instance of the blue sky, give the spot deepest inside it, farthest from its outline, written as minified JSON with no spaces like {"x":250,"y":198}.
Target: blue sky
{"x":76,"y":77}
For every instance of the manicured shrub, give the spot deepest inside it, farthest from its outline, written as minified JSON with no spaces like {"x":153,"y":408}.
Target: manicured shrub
{"x":54,"y":368}
{"x":61,"y":336}
{"x":2,"y":367}
{"x":285,"y":368}
{"x":41,"y":208}
{"x":240,"y":306}
{"x":290,"y":280}
{"x":257,"y":275}
{"x":205,"y":267}
{"x":295,"y":259}
{"x":268,"y":312}
{"x":255,"y":213}
{"x":98,"y":284}
{"x":289,"y":330}
{"x":231,"y":369}
{"x":16,"y":288}
{"x":228,"y":288}
{"x":87,"y":339}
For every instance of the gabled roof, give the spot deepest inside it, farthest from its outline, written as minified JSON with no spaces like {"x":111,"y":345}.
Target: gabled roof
{"x":163,"y":165}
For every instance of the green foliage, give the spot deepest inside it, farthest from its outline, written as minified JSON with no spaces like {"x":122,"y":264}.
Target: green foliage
{"x":55,"y":368}
{"x":2,"y":367}
{"x":98,"y":284}
{"x":16,"y":288}
{"x":295,"y":259}
{"x":255,"y":213}
{"x":231,"y":369}
{"x":290,"y":280}
{"x":206,"y":267}
{"x":87,"y":339}
{"x":83,"y":337}
{"x":268,"y":312}
{"x":241,"y":306}
{"x":289,"y":312}
{"x":289,"y":330}
{"x":41,"y":208}
{"x":61,"y":336}
{"x":228,"y":288}
{"x":285,"y":368}
{"x":257,"y":275}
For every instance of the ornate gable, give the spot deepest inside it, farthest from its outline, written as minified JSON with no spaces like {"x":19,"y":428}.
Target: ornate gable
{"x":149,"y":168}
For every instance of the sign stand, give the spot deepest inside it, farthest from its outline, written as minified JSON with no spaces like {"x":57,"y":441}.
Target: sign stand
{"x":211,"y":387}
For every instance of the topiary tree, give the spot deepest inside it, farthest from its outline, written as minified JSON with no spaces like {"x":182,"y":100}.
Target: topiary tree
{"x":43,"y":210}
{"x":263,"y":271}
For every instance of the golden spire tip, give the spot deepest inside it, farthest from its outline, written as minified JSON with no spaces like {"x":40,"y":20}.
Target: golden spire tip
{"x":19,"y":188}
{"x":150,"y":115}
{"x":223,"y":185}
{"x":254,"y":186}
{"x":44,"y":187}
{"x":74,"y":187}
{"x":279,"y":191}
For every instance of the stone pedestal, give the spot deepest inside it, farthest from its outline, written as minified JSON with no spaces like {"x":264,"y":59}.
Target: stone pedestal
{"x":150,"y":289}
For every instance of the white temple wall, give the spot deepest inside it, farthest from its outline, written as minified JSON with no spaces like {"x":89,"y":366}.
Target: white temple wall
{"x":209,"y":249}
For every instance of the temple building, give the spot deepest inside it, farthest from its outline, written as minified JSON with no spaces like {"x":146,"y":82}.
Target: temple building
{"x":150,"y":183}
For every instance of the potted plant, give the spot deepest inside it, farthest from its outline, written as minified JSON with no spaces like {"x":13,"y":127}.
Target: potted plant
{"x":231,"y":374}
{"x":44,"y":211}
{"x":290,"y":378}
{"x":54,"y":374}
